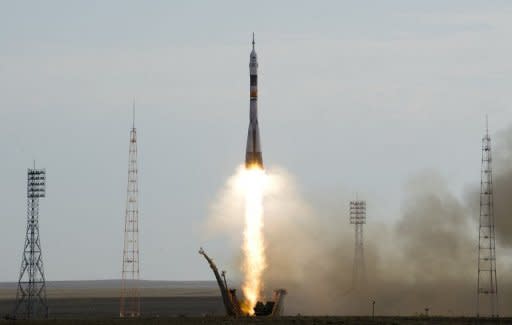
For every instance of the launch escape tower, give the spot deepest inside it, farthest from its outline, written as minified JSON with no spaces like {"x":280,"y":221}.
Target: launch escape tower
{"x":31,"y":300}
{"x":358,"y":218}
{"x":487,"y":283}
{"x":130,"y":297}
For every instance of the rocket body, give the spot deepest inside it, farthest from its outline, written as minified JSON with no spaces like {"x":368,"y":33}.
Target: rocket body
{"x":253,"y":157}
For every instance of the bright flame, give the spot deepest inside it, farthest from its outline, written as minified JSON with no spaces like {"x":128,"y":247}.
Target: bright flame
{"x":254,"y":263}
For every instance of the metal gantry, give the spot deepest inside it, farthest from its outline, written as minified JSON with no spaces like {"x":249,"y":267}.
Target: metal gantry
{"x":358,"y":218}
{"x":31,"y":300}
{"x":130,"y":296}
{"x":487,"y":282}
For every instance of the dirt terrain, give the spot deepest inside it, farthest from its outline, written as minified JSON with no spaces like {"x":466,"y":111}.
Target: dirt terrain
{"x":100,"y":299}
{"x":107,"y":308}
{"x":166,"y":302}
{"x":296,"y":320}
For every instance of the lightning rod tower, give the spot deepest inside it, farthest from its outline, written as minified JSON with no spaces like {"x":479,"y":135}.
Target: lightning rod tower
{"x":358,"y":218}
{"x":487,"y":282}
{"x":130,"y":297}
{"x":31,"y":300}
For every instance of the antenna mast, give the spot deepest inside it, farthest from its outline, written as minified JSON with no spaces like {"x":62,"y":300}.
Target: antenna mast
{"x":130,"y":296}
{"x":487,"y":283}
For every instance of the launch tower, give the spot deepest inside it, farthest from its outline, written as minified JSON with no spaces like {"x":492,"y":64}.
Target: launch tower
{"x":487,"y":283}
{"x":130,"y":297}
{"x":31,"y":300}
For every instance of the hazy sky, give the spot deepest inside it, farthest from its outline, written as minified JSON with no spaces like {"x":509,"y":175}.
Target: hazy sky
{"x":353,"y":98}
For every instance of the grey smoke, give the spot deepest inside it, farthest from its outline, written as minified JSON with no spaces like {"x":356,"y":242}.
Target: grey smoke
{"x":426,"y":259}
{"x":502,"y":179}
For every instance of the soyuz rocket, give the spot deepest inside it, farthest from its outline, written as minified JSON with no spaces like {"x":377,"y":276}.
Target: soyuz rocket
{"x":253,"y":158}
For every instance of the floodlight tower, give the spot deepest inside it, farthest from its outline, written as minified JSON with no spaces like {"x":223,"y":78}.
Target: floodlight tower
{"x":130,"y":297}
{"x":31,"y":300}
{"x":487,"y":283}
{"x":358,"y":218}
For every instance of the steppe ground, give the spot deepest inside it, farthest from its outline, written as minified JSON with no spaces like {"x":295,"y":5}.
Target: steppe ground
{"x":100,"y":299}
{"x":293,"y":320}
{"x":162,"y":302}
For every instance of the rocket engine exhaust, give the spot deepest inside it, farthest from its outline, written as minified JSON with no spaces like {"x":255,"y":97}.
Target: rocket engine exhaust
{"x":254,"y":261}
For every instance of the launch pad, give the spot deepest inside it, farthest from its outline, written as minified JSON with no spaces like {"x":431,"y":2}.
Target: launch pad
{"x":233,"y":306}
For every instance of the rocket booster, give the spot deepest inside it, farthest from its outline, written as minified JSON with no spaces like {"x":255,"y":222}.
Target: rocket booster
{"x":253,"y":158}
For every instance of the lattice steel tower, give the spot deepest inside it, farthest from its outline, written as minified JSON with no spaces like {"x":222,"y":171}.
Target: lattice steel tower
{"x":358,"y":218}
{"x":31,"y":300}
{"x":130,"y":297}
{"x":487,"y":283}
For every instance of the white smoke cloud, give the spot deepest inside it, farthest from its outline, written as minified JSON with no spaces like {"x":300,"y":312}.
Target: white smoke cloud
{"x":426,"y":259}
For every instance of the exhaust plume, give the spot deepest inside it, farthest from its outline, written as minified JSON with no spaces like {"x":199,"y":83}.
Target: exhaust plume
{"x":253,"y":183}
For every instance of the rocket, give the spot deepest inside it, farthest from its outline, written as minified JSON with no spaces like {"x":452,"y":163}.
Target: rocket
{"x":253,"y":158}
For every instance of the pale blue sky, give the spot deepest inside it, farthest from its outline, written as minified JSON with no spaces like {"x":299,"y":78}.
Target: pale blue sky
{"x":353,"y":98}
